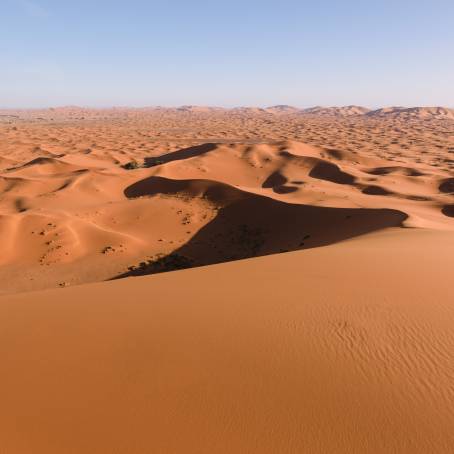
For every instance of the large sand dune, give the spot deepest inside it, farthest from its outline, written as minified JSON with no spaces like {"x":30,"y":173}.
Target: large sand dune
{"x":344,"y":349}
{"x":333,"y":335}
{"x":92,"y":195}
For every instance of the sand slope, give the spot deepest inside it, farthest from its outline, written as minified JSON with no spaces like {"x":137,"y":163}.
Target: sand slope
{"x":335,"y":334}
{"x":346,"y":348}
{"x":90,"y":195}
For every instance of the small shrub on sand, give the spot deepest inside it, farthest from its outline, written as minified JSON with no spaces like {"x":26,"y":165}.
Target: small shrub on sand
{"x":132,"y":165}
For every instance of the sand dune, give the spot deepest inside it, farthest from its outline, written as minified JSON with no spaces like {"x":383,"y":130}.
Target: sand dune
{"x":90,"y":195}
{"x":247,"y":225}
{"x":414,"y":112}
{"x":344,"y":111}
{"x":346,"y":349}
{"x":323,"y":323}
{"x":282,"y":109}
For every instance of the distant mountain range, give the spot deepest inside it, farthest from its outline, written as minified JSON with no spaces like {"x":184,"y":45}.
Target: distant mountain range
{"x":334,"y":111}
{"x":423,"y":113}
{"x":413,"y":112}
{"x":343,"y":111}
{"x":385,"y":112}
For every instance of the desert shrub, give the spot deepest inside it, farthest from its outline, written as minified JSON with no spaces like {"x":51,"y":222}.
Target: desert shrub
{"x":171,"y":262}
{"x":131,"y":165}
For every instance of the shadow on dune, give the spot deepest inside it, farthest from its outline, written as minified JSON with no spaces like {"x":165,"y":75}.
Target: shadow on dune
{"x":249,"y":225}
{"x":408,"y":171}
{"x":275,"y":179}
{"x":331,"y":172}
{"x":179,"y":155}
{"x":375,"y":190}
{"x":277,"y":182}
{"x":448,"y":210}
{"x":447,"y":186}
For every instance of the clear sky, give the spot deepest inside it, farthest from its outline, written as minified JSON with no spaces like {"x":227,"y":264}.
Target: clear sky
{"x":226,"y":52}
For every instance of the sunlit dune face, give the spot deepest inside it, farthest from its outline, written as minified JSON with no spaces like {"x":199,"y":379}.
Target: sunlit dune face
{"x":90,"y":195}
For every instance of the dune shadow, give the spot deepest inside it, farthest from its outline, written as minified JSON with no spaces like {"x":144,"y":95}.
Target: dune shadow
{"x":447,"y":186}
{"x":448,"y":210}
{"x":277,"y":182}
{"x":285,"y":189}
{"x":396,"y":169}
{"x":179,"y":155}
{"x":375,"y":190}
{"x":275,"y":179}
{"x":250,"y":225}
{"x":331,"y":172}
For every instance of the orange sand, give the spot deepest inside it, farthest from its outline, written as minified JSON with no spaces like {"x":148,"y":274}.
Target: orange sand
{"x":344,"y":344}
{"x":91,"y":195}
{"x":347,"y":348}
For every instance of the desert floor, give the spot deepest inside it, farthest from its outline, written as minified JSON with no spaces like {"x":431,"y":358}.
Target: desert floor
{"x":317,"y":315}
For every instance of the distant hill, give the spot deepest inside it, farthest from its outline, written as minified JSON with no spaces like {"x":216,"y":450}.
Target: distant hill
{"x":250,"y":110}
{"x":81,"y":113}
{"x":413,"y":112}
{"x":343,"y":111}
{"x":199,"y":109}
{"x":282,"y":109}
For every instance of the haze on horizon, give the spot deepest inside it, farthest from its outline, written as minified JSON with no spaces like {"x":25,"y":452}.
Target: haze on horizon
{"x":301,"y":53}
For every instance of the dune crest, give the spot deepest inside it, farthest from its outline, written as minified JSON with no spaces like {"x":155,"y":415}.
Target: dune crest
{"x":90,"y":195}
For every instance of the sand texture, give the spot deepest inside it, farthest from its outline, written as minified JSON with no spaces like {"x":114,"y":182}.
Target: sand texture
{"x":346,"y":349}
{"x":90,"y":195}
{"x":206,"y":280}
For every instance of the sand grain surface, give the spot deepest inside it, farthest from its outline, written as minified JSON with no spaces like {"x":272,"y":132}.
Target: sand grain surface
{"x":261,"y":355}
{"x":317,"y":315}
{"x":89,"y":195}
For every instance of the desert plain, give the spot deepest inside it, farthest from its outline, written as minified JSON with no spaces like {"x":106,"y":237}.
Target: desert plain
{"x":209,"y":280}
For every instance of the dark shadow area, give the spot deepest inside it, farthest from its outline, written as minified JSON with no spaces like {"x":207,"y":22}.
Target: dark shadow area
{"x":448,"y":210}
{"x":331,"y":172}
{"x":375,"y":190}
{"x":275,"y":179}
{"x":213,"y":191}
{"x":249,"y":225}
{"x":277,"y":182}
{"x":408,"y":171}
{"x":417,"y":198}
{"x":179,"y":155}
{"x":285,"y":189}
{"x":447,"y":186}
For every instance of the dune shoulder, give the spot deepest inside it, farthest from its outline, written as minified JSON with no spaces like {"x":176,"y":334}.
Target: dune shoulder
{"x":260,"y":355}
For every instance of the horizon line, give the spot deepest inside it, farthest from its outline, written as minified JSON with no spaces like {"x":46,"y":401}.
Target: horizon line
{"x":213,"y":106}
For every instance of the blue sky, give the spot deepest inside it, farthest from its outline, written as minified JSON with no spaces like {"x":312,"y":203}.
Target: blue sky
{"x":228,"y":53}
